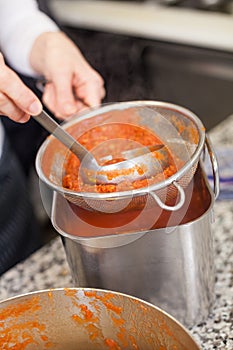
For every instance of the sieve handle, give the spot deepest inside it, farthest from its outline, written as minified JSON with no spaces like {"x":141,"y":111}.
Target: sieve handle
{"x":214,"y":163}
{"x":170,"y":207}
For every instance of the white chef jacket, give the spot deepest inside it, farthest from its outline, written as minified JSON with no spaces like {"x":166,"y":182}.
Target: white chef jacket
{"x":21,"y":23}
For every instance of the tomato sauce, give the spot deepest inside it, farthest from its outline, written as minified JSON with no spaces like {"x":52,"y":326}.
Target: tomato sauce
{"x":81,"y":222}
{"x":112,"y":139}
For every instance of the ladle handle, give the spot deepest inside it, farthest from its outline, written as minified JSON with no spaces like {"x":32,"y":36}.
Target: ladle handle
{"x":54,"y":128}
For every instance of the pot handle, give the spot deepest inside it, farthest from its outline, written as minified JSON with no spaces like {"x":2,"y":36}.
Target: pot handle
{"x":170,"y":207}
{"x":214,"y":163}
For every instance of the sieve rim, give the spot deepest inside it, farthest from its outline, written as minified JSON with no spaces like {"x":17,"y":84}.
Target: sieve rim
{"x":136,"y":192}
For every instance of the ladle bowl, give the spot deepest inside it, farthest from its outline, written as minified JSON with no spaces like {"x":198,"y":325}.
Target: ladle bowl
{"x":134,"y":167}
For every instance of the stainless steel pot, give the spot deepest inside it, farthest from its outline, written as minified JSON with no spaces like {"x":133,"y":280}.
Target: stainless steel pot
{"x":86,"y":319}
{"x":172,"y":266}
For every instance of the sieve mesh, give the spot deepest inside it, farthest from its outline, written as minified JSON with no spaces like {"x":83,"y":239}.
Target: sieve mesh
{"x":179,"y":129}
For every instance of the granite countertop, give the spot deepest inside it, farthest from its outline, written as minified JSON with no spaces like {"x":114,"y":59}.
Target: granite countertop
{"x":48,"y":268}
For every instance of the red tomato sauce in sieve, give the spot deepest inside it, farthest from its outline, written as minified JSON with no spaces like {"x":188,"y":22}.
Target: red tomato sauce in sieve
{"x":119,"y":137}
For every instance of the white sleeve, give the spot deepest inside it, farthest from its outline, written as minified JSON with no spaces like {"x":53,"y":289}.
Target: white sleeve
{"x":21,"y":23}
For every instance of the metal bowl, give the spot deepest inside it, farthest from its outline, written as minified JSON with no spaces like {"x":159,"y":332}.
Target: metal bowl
{"x":84,"y":318}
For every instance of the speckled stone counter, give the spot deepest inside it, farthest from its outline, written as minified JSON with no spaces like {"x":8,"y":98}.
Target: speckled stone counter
{"x":48,"y":268}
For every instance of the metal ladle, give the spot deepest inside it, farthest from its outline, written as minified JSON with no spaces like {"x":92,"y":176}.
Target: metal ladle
{"x":135,"y":167}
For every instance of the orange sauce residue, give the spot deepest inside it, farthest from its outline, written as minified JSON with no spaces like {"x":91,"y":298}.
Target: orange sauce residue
{"x":112,"y":344}
{"x":110,"y":132}
{"x":78,"y":319}
{"x":133,"y":342}
{"x":90,"y":324}
{"x":21,"y":335}
{"x":20,"y":308}
{"x":118,"y":321}
{"x":17,"y":333}
{"x":90,"y":319}
{"x":90,"y":293}
{"x":88,"y":314}
{"x":123,"y":172}
{"x":70,"y":292}
{"x":186,"y":126}
{"x":125,"y":336}
{"x":94,"y":331}
{"x":114,"y":308}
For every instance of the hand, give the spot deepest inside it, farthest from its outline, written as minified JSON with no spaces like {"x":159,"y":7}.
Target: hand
{"x":73,"y":83}
{"x":17,"y":101}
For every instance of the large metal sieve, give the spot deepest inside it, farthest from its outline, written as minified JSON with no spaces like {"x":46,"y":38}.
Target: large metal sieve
{"x":179,"y":130}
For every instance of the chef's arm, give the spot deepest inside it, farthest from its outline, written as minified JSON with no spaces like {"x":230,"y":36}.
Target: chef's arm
{"x":34,"y":45}
{"x":21,"y":23}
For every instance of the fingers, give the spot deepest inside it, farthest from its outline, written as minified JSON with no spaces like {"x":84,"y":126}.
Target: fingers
{"x":52,"y":100}
{"x":16,"y":101}
{"x":65,"y":95}
{"x":65,"y":99}
{"x":59,"y":98}
{"x":90,"y":93}
{"x":49,"y":97}
{"x":89,"y":87}
{"x":8,"y":108}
